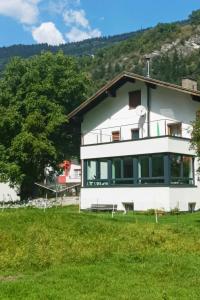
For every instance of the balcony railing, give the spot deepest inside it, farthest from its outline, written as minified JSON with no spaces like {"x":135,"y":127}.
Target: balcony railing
{"x":136,"y":131}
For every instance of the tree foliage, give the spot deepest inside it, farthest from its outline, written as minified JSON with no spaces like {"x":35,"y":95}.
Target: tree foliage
{"x":196,"y":134}
{"x":36,"y":95}
{"x":194,"y":18}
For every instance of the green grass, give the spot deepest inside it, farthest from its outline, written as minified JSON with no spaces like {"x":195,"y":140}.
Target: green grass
{"x":61,"y":254}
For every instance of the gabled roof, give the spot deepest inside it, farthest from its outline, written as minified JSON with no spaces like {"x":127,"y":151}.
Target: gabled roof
{"x":110,"y":89}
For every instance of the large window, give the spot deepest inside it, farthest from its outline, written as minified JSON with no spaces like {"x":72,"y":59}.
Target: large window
{"x":157,"y":168}
{"x":181,"y":169}
{"x":97,"y":172}
{"x":116,"y":171}
{"x":143,"y":169}
{"x":134,"y":99}
{"x":152,"y":169}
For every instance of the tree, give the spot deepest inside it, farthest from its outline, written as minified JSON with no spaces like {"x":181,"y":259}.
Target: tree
{"x":36,"y":95}
{"x":194,"y":18}
{"x":195,"y":142}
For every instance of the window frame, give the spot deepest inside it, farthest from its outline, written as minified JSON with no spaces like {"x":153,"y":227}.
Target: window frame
{"x":137,"y":180}
{"x":132,"y":104}
{"x":135,"y":130}
{"x":118,"y":136}
{"x":177,"y":125}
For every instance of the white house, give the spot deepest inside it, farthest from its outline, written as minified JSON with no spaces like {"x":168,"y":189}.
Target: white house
{"x":135,"y":148}
{"x":8,"y":194}
{"x":71,"y":172}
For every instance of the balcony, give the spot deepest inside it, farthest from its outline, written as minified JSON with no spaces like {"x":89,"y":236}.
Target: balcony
{"x":165,"y":137}
{"x":137,"y":131}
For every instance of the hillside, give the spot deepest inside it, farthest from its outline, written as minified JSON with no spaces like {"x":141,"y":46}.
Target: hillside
{"x":174,"y":49}
{"x":87,"y":47}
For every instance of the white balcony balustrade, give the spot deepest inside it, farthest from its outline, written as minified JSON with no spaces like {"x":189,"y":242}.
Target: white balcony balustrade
{"x":136,"y":131}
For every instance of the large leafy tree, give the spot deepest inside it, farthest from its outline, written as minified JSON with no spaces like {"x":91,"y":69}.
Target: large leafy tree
{"x":36,"y":95}
{"x":195,"y":143}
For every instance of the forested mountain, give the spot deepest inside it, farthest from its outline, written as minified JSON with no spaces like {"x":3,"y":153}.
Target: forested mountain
{"x":174,"y":49}
{"x":86,"y":47}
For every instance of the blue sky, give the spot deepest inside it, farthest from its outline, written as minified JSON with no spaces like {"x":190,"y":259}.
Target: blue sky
{"x":59,"y":21}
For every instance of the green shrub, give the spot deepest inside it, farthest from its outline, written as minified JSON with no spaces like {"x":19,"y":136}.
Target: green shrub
{"x":175,"y":211}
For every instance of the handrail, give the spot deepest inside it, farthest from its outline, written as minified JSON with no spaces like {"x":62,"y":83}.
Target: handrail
{"x":103,"y":137}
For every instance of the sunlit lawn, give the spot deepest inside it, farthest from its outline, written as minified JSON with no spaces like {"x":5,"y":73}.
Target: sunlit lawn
{"x":61,"y":254}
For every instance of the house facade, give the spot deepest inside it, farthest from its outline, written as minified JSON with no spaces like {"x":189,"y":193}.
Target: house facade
{"x":71,"y":172}
{"x":7,"y":193}
{"x":135,"y":145}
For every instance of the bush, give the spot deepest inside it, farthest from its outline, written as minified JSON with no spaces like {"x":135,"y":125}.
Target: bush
{"x":150,"y":211}
{"x":175,"y":211}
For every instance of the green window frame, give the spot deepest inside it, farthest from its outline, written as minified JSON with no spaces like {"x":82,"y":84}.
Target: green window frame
{"x":141,"y":170}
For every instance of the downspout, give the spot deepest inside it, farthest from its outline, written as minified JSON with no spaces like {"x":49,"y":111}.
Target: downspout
{"x":148,"y":109}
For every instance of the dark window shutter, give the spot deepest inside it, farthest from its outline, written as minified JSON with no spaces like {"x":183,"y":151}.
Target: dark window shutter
{"x":135,"y":134}
{"x":115,"y":136}
{"x":134,"y":99}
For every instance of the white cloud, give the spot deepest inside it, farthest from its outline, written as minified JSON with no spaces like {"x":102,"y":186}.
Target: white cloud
{"x":48,"y":33}
{"x":24,"y":11}
{"x":76,"y":35}
{"x":81,"y":29}
{"x":58,"y":6}
{"x":76,"y":17}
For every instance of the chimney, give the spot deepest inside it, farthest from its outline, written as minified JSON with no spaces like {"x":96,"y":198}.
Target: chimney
{"x":189,"y":84}
{"x":147,"y":57}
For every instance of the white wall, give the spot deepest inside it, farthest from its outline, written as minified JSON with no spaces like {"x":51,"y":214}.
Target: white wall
{"x":144,"y":198}
{"x":7,"y":193}
{"x":145,"y":146}
{"x":110,"y":115}
{"x":114,"y":112}
{"x":72,"y":176}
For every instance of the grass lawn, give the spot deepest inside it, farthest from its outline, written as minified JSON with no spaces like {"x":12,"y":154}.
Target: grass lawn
{"x":61,"y":254}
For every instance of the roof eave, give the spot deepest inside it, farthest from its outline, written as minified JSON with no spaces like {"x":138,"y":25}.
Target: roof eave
{"x":130,"y":76}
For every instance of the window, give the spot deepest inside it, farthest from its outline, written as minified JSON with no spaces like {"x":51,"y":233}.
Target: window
{"x":181,"y":169}
{"x":151,"y":169}
{"x":122,"y":171}
{"x":128,"y":170}
{"x":187,"y":166}
{"x":115,"y":136}
{"x":187,"y":170}
{"x":97,"y":172}
{"x":191,"y":206}
{"x":103,"y":169}
{"x":128,"y":167}
{"x":134,"y":99}
{"x":144,"y":166}
{"x":143,"y":169}
{"x":135,"y":134}
{"x":175,"y":169}
{"x":175,"y":129}
{"x":77,"y":173}
{"x":116,"y":169}
{"x":157,"y":168}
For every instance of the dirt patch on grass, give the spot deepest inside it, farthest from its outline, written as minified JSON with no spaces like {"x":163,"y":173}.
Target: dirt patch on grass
{"x":10,"y":278}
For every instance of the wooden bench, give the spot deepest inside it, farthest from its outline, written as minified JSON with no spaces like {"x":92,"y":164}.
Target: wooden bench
{"x":103,"y":207}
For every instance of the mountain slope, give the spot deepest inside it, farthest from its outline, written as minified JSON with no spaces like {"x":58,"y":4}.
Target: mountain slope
{"x":174,"y":49}
{"x":86,"y":47}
